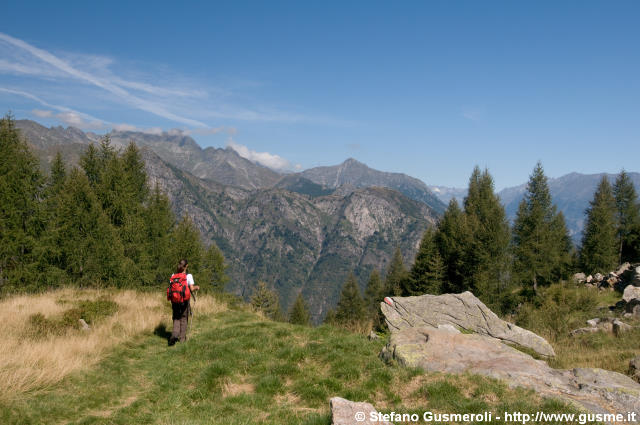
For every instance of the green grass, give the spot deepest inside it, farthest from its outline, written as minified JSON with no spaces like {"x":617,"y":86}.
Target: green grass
{"x":238,"y":368}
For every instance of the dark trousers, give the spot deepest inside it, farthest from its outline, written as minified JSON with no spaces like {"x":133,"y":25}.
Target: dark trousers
{"x":180,"y":320}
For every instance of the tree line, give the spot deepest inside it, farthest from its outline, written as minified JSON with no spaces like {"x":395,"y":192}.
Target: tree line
{"x":474,"y":248}
{"x":99,"y":224}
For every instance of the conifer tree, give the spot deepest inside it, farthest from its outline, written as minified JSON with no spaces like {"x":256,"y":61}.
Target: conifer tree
{"x":58,"y":173}
{"x":396,"y":275}
{"x":266,"y":300}
{"x":91,"y":165}
{"x":486,"y":260}
{"x":452,"y":239}
{"x":159,"y":221}
{"x":541,"y":240}
{"x":186,"y":243}
{"x":599,"y":251}
{"x":21,"y":223}
{"x":299,"y":313}
{"x":91,"y":252}
{"x":427,"y":272}
{"x":213,"y":269}
{"x":373,"y":295}
{"x":627,"y":219}
{"x":351,"y":309}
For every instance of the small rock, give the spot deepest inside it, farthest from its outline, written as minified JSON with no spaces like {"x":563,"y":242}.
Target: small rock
{"x":346,"y":412}
{"x":623,"y":268}
{"x":635,"y":280}
{"x":630,"y":293}
{"x":633,"y":308}
{"x":579,"y":277}
{"x":598,"y":277}
{"x":612,"y":281}
{"x":583,"y":331}
{"x":634,"y":368}
{"x":620,"y":327}
{"x":593,"y":322}
{"x":373,"y":335}
{"x":84,"y":325}
{"x":589,"y":279}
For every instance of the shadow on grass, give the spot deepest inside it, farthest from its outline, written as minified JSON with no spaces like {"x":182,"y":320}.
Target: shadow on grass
{"x":161,"y":331}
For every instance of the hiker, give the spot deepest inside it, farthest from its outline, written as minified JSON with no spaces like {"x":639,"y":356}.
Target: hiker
{"x":179,"y":291}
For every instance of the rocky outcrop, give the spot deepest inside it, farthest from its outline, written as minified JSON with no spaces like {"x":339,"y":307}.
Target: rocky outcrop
{"x":346,"y":412}
{"x":446,"y":349}
{"x":463,"y":311}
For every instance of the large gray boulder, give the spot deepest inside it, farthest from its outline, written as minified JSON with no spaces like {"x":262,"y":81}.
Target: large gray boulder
{"x":465,"y":312}
{"x":441,"y":350}
{"x":346,"y":412}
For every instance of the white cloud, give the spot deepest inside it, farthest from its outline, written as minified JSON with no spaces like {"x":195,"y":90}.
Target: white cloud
{"x":267,"y":159}
{"x":42,"y":113}
{"x":76,"y":120}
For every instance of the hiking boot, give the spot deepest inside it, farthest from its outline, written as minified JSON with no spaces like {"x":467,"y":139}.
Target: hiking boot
{"x":172,"y":341}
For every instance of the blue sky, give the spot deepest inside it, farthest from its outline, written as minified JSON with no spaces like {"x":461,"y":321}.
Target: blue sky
{"x":428,"y":88}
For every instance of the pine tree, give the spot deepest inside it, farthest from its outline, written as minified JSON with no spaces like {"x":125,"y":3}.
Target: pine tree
{"x":90,"y":250}
{"x":58,"y":173}
{"x":452,"y":239}
{"x":541,"y":240}
{"x":599,"y":251}
{"x":627,"y":219}
{"x":299,"y":313}
{"x":373,"y":295}
{"x":351,"y":309}
{"x":158,"y":224}
{"x":186,"y":243}
{"x":21,"y":223}
{"x":427,"y":274}
{"x":266,"y":300}
{"x":213,"y":269}
{"x":91,"y":164}
{"x":486,"y":259}
{"x":396,"y":275}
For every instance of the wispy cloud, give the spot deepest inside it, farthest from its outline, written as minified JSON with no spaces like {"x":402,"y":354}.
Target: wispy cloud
{"x":176,"y":98}
{"x":473,"y":114}
{"x":267,"y":159}
{"x":110,"y":86}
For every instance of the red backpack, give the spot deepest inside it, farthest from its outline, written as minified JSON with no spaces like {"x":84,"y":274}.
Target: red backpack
{"x":178,"y":290}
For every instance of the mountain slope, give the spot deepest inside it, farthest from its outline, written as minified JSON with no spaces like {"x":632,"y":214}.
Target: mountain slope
{"x":358,"y":174}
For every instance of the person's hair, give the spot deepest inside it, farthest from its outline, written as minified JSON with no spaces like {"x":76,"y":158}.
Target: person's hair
{"x":182,"y":265}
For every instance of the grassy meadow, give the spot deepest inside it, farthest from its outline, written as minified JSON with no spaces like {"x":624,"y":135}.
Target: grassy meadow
{"x":236,"y":368}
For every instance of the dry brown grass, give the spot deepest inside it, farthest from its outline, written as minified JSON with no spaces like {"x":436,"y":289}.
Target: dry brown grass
{"x":29,"y":365}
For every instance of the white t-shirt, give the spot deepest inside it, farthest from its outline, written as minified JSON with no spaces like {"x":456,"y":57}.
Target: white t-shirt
{"x":190,"y":280}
